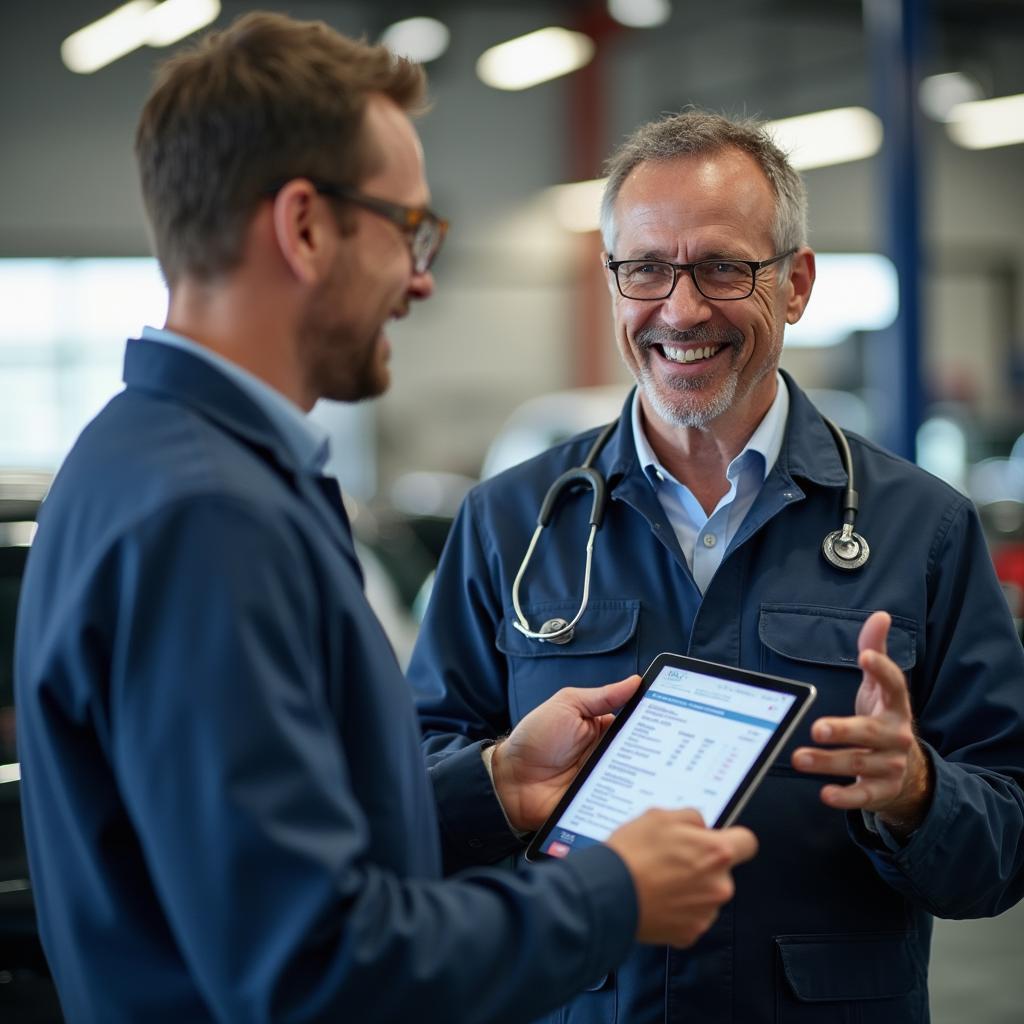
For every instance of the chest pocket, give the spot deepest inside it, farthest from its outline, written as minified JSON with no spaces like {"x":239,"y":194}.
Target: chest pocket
{"x":850,"y":979}
{"x":818,"y":645}
{"x":602,"y":650}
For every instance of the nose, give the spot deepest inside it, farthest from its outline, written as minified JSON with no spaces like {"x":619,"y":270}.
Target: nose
{"x":421,"y":286}
{"x":685,"y":307}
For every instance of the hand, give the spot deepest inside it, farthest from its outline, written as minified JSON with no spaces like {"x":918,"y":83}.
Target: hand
{"x":533,"y":765}
{"x":681,"y":870}
{"x":877,"y":744}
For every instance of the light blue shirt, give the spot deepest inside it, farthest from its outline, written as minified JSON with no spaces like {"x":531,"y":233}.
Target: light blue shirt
{"x":705,"y":539}
{"x":307,"y":441}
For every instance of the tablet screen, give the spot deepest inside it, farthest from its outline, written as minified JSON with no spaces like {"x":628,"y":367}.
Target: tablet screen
{"x":696,"y":735}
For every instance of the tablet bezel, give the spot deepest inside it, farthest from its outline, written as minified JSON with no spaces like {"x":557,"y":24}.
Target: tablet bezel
{"x":804,"y":693}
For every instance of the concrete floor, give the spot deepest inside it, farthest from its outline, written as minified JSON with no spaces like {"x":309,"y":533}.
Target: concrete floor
{"x":977,"y":970}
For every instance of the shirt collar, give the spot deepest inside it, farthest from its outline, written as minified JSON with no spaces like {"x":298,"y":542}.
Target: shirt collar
{"x":765,"y":441}
{"x":307,"y":442}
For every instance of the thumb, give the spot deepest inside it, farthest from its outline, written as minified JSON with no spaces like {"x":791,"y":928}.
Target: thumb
{"x":874,"y":633}
{"x":601,"y":700}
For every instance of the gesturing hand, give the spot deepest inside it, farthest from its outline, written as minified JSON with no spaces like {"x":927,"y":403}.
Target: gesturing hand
{"x":543,"y":753}
{"x":876,"y":744}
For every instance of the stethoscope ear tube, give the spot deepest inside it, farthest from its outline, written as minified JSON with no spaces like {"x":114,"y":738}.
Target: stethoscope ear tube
{"x":579,"y":474}
{"x":558,"y":631}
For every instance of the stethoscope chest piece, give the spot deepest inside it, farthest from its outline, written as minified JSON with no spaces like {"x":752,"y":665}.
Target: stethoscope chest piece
{"x":845,"y":549}
{"x":556,"y":631}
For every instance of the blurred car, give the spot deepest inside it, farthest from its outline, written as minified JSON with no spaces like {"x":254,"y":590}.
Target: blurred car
{"x":27,"y":993}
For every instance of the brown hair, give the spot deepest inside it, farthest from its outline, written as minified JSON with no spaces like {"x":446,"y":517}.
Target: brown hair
{"x":264,"y":101}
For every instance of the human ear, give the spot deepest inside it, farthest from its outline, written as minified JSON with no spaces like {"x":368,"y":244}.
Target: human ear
{"x":299,"y":231}
{"x":799,"y":283}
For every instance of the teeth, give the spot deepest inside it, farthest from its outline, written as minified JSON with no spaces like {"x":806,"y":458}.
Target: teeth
{"x":689,"y":355}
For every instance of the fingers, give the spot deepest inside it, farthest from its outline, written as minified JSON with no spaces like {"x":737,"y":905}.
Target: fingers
{"x":887,"y":679}
{"x":874,"y":732}
{"x":688,"y":816}
{"x":888,"y":760}
{"x":741,"y":842}
{"x":600,"y":700}
{"x":875,"y":632}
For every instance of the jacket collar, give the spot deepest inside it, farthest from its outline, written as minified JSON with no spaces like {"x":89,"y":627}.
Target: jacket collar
{"x":808,"y":449}
{"x":195,"y":383}
{"x":176,"y":374}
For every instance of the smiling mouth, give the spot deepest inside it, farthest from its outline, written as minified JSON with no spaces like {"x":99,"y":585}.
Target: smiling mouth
{"x":689,"y":355}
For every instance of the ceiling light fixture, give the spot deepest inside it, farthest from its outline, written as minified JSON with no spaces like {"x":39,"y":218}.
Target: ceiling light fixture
{"x":134,"y":24}
{"x":828,"y":137}
{"x":640,"y":13}
{"x":418,"y":39}
{"x":985,"y":124}
{"x":939,"y":94}
{"x":534,"y":58}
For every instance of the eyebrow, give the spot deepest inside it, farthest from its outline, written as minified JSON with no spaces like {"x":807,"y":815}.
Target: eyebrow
{"x":714,"y":254}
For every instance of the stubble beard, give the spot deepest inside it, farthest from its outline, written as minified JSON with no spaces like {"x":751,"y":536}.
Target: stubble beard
{"x":343,"y":365}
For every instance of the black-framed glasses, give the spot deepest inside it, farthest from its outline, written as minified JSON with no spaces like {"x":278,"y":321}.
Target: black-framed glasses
{"x":423,"y":229}
{"x":720,"y":279}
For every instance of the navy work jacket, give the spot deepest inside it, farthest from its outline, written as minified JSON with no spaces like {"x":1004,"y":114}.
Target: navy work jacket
{"x":226,"y":805}
{"x":828,"y":924}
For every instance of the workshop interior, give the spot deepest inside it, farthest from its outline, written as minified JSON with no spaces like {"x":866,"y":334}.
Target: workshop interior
{"x":905,"y":117}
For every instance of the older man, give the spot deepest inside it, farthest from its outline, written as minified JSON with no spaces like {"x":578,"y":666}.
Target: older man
{"x":227,"y":811}
{"x":723,"y":482}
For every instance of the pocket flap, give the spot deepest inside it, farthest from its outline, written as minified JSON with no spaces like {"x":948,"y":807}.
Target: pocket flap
{"x":823,"y":968}
{"x":828,"y":636}
{"x":605,"y":626}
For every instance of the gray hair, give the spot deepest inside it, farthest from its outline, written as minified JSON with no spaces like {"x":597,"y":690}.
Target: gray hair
{"x":694,"y":132}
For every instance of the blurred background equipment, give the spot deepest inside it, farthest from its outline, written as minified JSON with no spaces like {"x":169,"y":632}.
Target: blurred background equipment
{"x":26,"y":991}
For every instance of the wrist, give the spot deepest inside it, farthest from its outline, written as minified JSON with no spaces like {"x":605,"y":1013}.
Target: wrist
{"x":907,"y":812}
{"x":503,"y":787}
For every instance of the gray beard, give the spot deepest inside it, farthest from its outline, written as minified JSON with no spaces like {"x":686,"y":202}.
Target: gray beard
{"x":685,"y":408}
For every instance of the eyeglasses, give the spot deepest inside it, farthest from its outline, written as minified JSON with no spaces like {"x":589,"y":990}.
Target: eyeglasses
{"x":721,"y":279}
{"x":423,"y":229}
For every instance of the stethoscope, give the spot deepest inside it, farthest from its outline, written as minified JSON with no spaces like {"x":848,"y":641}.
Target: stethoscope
{"x":844,"y":548}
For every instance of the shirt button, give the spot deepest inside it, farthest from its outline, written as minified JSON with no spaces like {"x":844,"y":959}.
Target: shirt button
{"x":710,"y":540}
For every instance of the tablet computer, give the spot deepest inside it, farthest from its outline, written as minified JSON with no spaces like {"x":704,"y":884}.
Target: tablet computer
{"x":695,"y":734}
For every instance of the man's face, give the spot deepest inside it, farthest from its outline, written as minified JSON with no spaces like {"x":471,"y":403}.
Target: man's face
{"x":372,"y":279}
{"x":699,"y":362}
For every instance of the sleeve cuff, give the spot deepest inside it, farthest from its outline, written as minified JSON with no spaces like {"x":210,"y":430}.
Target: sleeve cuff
{"x":474,"y":829}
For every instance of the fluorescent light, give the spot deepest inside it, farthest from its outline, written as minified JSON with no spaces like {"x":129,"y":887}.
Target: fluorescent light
{"x":104,"y":41}
{"x":137,"y":23}
{"x":534,"y":58}
{"x":418,"y":39}
{"x":640,"y":13}
{"x":828,"y":137}
{"x":985,"y":124}
{"x":10,"y":772}
{"x":175,"y":19}
{"x":578,"y":206}
{"x":939,"y":94}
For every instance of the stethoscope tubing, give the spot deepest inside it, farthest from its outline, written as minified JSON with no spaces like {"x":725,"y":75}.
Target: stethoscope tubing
{"x":843,"y":548}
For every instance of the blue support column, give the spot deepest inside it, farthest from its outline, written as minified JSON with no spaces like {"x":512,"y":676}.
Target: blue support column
{"x":895,"y":31}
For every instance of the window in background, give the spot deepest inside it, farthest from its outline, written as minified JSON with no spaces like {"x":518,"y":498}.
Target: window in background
{"x":62,"y":331}
{"x":63,"y":325}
